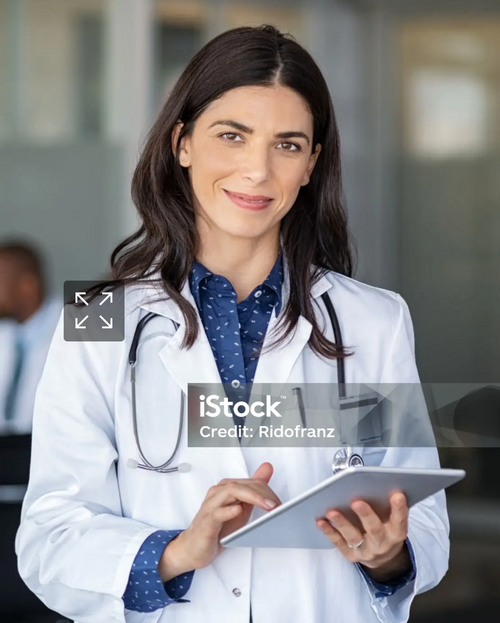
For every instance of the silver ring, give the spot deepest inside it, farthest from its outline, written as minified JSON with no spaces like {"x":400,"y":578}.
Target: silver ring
{"x":357,"y":544}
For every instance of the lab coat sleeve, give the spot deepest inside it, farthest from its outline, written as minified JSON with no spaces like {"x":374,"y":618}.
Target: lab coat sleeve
{"x":75,"y":549}
{"x":428,"y":524}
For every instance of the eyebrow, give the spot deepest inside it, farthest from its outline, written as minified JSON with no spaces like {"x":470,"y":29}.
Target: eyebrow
{"x":243,"y":128}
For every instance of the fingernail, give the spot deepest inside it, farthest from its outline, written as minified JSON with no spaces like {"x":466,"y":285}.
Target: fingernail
{"x":269,"y":504}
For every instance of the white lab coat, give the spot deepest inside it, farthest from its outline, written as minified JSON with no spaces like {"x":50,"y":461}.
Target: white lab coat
{"x":37,"y":334}
{"x":86,"y":513}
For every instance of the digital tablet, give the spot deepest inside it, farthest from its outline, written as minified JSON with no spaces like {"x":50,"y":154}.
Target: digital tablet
{"x":293,"y":523}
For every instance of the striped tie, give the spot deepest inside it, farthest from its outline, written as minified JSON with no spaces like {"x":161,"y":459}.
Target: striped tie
{"x":14,"y":384}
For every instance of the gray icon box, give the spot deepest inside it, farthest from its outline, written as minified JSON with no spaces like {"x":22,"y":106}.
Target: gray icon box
{"x":96,"y":316}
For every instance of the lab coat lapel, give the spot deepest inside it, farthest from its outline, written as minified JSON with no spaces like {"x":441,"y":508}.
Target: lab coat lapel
{"x":194,"y":365}
{"x":197,"y":364}
{"x":275,"y":366}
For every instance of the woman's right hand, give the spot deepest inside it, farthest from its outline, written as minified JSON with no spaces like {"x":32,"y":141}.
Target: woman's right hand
{"x":226,"y":507}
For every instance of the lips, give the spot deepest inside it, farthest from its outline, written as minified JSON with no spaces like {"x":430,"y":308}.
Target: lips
{"x":250,"y":202}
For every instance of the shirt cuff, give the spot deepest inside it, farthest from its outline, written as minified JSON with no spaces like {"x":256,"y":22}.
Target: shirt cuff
{"x":145,"y":590}
{"x":386,"y":589}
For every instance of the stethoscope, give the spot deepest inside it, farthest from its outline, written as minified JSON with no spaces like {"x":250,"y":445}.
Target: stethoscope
{"x":344,"y":457}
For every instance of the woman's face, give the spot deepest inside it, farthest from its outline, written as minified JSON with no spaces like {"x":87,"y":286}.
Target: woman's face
{"x":253,"y":143}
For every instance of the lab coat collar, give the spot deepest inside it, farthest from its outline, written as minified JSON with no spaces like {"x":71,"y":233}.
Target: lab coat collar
{"x":197,"y":364}
{"x":169,"y":308}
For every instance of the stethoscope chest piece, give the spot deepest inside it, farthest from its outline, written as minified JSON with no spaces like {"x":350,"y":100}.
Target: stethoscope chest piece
{"x":343,"y":459}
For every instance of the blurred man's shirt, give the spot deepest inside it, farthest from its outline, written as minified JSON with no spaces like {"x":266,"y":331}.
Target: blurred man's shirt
{"x":31,"y":340}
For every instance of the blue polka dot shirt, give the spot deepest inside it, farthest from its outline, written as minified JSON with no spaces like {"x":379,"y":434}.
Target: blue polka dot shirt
{"x":145,"y":591}
{"x":235,"y":332}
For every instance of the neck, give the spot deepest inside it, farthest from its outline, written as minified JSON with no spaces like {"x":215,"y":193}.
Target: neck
{"x":245,"y":262}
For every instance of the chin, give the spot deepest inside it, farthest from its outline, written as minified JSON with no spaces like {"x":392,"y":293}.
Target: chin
{"x":243,"y":232}
{"x":241,"y":227}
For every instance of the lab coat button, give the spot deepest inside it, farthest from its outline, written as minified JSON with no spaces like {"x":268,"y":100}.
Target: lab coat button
{"x":236,"y":592}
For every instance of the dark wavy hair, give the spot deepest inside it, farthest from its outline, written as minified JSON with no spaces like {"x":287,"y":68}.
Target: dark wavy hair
{"x":313,"y":232}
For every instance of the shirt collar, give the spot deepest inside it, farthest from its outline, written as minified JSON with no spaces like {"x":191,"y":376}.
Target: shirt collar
{"x":31,"y":329}
{"x":197,"y":275}
{"x":274,"y":280}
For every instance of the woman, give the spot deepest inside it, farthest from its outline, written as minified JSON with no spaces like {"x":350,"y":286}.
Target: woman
{"x":239,"y":191}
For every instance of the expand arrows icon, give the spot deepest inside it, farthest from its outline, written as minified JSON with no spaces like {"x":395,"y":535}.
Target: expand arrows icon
{"x":94,"y":311}
{"x":109,"y":325}
{"x":79,"y":297}
{"x":79,"y":323}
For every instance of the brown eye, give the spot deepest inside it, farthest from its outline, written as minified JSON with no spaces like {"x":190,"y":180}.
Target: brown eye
{"x":229,"y":134}
{"x":297,"y":147}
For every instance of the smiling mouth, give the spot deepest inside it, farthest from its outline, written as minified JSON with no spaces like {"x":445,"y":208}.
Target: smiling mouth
{"x":246,"y":201}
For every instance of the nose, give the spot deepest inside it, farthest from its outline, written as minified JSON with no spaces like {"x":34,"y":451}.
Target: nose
{"x":255,"y":164}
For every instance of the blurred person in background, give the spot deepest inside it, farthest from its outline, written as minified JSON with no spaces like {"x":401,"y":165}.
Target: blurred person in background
{"x":28,"y":318}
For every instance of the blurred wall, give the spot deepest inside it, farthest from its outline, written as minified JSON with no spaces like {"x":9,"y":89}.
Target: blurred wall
{"x":449,"y":88}
{"x":60,"y":176}
{"x":46,"y":195}
{"x":83,"y":80}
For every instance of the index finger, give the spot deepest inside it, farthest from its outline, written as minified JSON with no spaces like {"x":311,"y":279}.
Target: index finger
{"x":256,"y":494}
{"x":255,"y":483}
{"x":262,"y":488}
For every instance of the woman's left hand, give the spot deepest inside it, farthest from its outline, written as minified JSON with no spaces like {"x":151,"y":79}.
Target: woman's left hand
{"x":383,"y":544}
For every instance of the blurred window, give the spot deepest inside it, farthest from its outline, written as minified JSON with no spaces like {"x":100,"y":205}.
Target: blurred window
{"x":447,"y":113}
{"x":450,"y":88}
{"x":449,"y":216}
{"x":174,"y":46}
{"x":51,"y":70}
{"x":89,"y":42}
